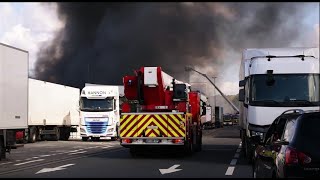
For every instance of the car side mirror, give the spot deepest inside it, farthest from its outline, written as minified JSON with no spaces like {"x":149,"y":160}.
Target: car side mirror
{"x":241,"y":95}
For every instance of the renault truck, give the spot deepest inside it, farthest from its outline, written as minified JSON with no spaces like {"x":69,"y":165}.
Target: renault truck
{"x":99,"y":112}
{"x":13,"y":95}
{"x":273,"y":80}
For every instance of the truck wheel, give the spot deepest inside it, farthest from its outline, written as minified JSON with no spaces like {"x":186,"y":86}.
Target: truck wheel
{"x":249,"y":152}
{"x":56,"y":136}
{"x":2,"y":149}
{"x":197,"y":145}
{"x":64,"y":134}
{"x":32,"y":135}
{"x":85,"y":138}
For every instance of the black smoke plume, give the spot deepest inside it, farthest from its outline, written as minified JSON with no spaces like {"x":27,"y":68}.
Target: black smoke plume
{"x":102,"y":42}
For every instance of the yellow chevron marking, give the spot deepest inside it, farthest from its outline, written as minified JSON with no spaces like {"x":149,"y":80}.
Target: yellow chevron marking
{"x":122,"y":125}
{"x":157,"y":117}
{"x":130,"y":121}
{"x":152,"y":135}
{"x":123,"y":117}
{"x":161,"y":127}
{"x":175,"y":128}
{"x":130,"y":134}
{"x":175,"y":119}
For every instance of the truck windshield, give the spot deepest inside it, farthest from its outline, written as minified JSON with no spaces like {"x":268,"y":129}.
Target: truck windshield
{"x":96,"y":104}
{"x":287,"y":90}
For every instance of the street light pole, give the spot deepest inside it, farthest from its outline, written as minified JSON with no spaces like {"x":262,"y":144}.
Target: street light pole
{"x":188,"y":68}
{"x":214,"y":91}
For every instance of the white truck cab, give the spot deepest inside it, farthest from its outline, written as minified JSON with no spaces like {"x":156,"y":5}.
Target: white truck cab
{"x":99,"y":112}
{"x":271,"y":82}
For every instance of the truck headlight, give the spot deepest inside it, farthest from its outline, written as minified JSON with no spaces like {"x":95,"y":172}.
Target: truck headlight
{"x":110,"y":130}
{"x":82,"y":130}
{"x":256,"y":133}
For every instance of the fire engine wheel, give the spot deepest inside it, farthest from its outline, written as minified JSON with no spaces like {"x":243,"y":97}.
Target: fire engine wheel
{"x":2,"y":149}
{"x":188,"y":148}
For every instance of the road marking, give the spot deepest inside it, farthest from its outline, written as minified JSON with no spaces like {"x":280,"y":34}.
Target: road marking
{"x":59,"y":161}
{"x":229,"y":171}
{"x":6,"y":163}
{"x":238,"y":150}
{"x":105,"y":147}
{"x":72,"y":151}
{"x":77,"y":152}
{"x":44,"y":170}
{"x":28,"y":162}
{"x":170,"y":169}
{"x":47,"y":155}
{"x":18,"y":160}
{"x":236,"y":155}
{"x":233,"y":162}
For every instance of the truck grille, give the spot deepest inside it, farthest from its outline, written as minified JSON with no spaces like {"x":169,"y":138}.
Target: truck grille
{"x":96,"y":127}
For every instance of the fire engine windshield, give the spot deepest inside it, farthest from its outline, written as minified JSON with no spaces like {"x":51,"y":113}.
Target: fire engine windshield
{"x":96,"y":104}
{"x":285,"y":90}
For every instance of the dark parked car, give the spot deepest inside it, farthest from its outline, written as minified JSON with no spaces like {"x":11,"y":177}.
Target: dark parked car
{"x":291,"y":147}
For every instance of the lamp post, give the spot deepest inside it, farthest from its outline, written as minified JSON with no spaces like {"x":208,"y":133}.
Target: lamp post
{"x":188,"y":68}
{"x":214,"y":91}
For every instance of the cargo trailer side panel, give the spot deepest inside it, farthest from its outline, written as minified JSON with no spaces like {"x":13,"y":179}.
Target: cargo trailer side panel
{"x":52,"y":104}
{"x":13,"y":88}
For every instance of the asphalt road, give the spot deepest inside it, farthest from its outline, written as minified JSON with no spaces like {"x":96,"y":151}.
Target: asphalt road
{"x":220,"y":158}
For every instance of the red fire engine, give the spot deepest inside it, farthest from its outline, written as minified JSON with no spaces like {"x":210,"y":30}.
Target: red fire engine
{"x":160,"y":111}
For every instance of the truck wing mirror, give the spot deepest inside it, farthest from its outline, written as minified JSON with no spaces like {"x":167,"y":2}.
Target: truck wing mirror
{"x":241,"y":95}
{"x":242,"y":83}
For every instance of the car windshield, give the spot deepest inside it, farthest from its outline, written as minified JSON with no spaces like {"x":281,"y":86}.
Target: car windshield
{"x":286,"y":90}
{"x":96,"y":104}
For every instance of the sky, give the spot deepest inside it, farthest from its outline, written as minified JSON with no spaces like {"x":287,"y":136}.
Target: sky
{"x":28,"y":25}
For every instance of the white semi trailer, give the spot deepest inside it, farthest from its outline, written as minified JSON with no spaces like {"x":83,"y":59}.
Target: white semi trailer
{"x":13,"y":95}
{"x":53,"y":111}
